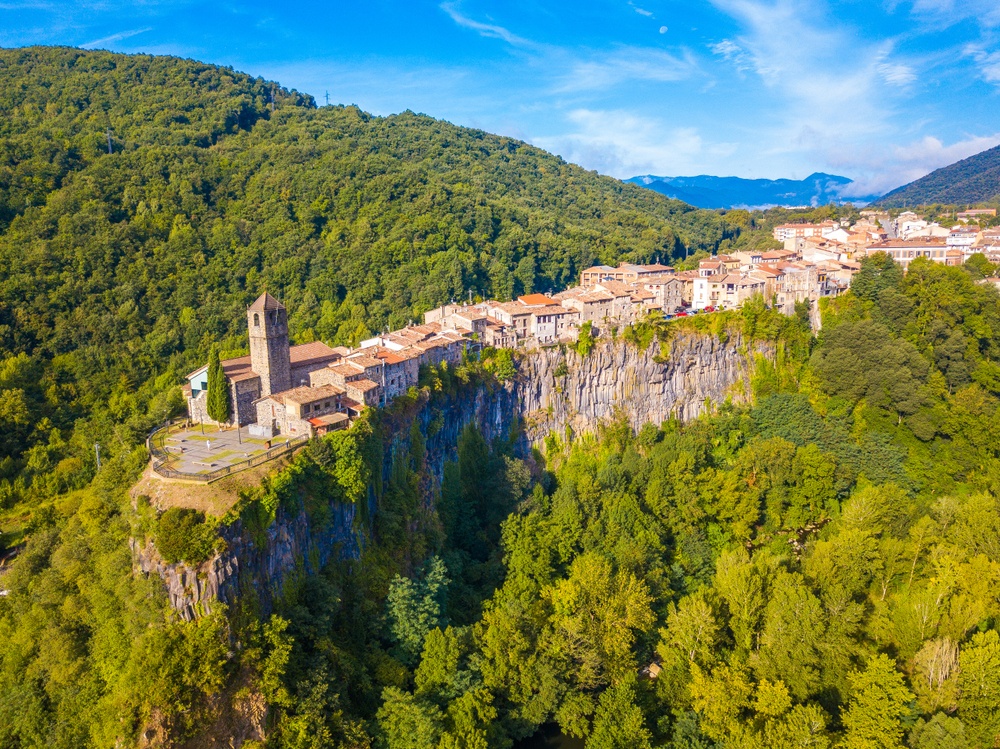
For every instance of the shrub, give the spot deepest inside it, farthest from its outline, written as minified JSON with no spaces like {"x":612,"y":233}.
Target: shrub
{"x":183,"y":535}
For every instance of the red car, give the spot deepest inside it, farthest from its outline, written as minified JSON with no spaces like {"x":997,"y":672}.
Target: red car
{"x":709,"y":309}
{"x":682,"y":313}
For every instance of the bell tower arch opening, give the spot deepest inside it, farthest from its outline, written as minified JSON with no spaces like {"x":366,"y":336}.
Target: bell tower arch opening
{"x":267,"y":321}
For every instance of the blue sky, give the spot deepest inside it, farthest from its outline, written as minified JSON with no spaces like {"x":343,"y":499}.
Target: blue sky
{"x":881,"y":92}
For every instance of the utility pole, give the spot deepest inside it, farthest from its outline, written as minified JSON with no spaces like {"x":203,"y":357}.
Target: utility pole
{"x":97,"y":452}
{"x":272,"y":99}
{"x":110,"y":150}
{"x":327,"y":98}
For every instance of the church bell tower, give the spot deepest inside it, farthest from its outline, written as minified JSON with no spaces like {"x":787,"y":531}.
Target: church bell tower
{"x":269,"y":351}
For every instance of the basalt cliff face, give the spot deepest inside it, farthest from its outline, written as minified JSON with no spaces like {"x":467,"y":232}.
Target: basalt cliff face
{"x":556,"y":391}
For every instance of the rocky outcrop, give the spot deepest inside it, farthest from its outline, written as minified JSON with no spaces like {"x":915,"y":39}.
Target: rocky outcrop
{"x":556,"y":391}
{"x":559,"y":389}
{"x":263,"y":566}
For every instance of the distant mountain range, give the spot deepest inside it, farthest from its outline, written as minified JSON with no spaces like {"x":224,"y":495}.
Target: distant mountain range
{"x":969,"y":181}
{"x":705,"y":191}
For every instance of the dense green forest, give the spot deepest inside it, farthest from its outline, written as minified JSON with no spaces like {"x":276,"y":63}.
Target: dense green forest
{"x":818,"y":568}
{"x":971,"y":181}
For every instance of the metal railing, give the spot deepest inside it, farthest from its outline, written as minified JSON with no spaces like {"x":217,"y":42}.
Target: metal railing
{"x":161,"y":457}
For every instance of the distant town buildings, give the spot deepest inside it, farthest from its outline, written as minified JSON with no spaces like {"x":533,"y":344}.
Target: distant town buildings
{"x":313,"y":388}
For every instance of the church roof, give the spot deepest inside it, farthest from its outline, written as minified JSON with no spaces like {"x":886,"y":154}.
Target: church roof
{"x":266,"y":302}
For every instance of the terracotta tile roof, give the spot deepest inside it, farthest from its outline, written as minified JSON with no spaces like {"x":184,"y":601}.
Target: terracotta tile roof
{"x":238,"y":369}
{"x":328,"y":420}
{"x":390,"y":357}
{"x":344,"y":369}
{"x":513,"y":308}
{"x":266,"y":302}
{"x":363,"y":360}
{"x":363,"y":386}
{"x":307,"y":394}
{"x":535,"y":300}
{"x":617,"y":288}
{"x":311,"y":353}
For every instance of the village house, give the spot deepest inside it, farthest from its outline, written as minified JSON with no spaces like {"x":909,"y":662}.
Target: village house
{"x":727,"y":290}
{"x":301,"y":411}
{"x":904,"y":251}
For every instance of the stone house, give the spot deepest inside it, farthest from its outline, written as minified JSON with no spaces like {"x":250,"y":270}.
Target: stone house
{"x":290,"y":412}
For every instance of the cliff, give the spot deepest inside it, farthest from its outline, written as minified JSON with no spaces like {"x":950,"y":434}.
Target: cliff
{"x":556,"y":391}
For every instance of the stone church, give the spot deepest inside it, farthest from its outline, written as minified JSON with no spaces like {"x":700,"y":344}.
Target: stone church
{"x":272,"y":367}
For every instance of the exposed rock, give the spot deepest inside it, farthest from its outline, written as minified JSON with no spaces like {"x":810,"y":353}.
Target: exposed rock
{"x":555,"y":391}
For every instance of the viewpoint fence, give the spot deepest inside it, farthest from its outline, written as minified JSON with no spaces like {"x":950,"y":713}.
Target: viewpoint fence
{"x":162,"y":457}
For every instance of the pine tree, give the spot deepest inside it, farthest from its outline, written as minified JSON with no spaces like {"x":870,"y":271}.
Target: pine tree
{"x":218,"y":390}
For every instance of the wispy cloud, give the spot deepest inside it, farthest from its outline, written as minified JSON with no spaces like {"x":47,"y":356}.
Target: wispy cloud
{"x":949,"y":12}
{"x":606,"y":69}
{"x":488,"y":30}
{"x":987,"y":62}
{"x":641,"y":11}
{"x":623,"y":144}
{"x":729,"y":50}
{"x":877,"y":170}
{"x":106,"y":40}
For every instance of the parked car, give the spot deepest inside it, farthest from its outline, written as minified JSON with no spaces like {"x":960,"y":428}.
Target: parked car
{"x":682,"y":313}
{"x":710,"y":308}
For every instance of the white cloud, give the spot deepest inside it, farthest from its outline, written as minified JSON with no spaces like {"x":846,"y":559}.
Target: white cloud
{"x":987,"y":62}
{"x":626,"y":64}
{"x":824,"y":86}
{"x":624,"y":144}
{"x":877,"y":170}
{"x":641,"y":11}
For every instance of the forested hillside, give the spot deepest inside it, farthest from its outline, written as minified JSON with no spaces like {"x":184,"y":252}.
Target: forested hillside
{"x":967,"y":182}
{"x":122,"y":269}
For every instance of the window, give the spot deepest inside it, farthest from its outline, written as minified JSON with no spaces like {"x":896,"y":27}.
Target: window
{"x":305,"y":408}
{"x":256,"y":320}
{"x":326,"y":404}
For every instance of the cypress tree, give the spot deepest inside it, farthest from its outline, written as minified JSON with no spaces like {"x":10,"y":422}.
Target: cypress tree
{"x":218,"y":390}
